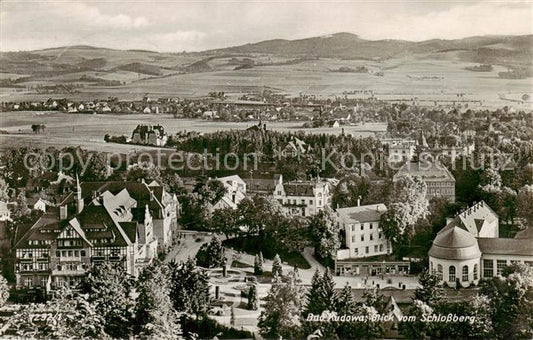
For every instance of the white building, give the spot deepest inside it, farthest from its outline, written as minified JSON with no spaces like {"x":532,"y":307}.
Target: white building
{"x":304,"y":198}
{"x":363,"y":234}
{"x":400,"y":149}
{"x":468,"y":248}
{"x":235,"y":192}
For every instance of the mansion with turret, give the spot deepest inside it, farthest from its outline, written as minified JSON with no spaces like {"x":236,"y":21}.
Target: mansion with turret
{"x":117,"y":222}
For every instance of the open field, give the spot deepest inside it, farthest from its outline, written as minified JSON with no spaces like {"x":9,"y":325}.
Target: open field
{"x":87,"y":131}
{"x":403,"y":78}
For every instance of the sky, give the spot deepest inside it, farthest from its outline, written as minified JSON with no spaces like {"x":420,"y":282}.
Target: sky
{"x":175,"y":26}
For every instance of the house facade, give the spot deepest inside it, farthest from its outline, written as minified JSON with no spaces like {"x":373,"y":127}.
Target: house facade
{"x":59,"y":249}
{"x":150,"y":135}
{"x":303,"y":198}
{"x":235,"y":192}
{"x":439,"y":180}
{"x":363,"y":234}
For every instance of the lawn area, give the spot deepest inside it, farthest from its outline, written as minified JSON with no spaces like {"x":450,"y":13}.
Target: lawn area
{"x":254,"y":245}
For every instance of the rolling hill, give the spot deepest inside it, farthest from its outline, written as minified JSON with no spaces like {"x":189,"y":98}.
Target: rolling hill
{"x":311,"y":65}
{"x":496,"y":49}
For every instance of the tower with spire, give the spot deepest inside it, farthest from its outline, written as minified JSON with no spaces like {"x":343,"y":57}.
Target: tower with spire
{"x":79,"y":196}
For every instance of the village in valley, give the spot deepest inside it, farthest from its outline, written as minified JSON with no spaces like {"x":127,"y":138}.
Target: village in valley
{"x":286,"y":189}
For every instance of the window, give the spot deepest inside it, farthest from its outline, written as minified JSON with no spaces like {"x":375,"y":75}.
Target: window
{"x":28,"y":283}
{"x":44,"y":281}
{"x":353,"y":227}
{"x":356,"y":251}
{"x":371,"y":226}
{"x":362,"y":237}
{"x":70,"y":253}
{"x":371,"y":237}
{"x":353,"y":238}
{"x":376,"y":248}
{"x":431,"y":269}
{"x":83,"y":253}
{"x":380,"y":235}
{"x":311,"y":202}
{"x":362,"y":227}
{"x":500,"y":264}
{"x":58,"y":253}
{"x":451,"y":274}
{"x":488,"y":268}
{"x":465,"y":273}
{"x":381,"y":247}
{"x":475,"y":271}
{"x":366,"y":250}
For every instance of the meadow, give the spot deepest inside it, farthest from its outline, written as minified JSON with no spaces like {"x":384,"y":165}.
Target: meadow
{"x":437,"y":76}
{"x":88,"y":130}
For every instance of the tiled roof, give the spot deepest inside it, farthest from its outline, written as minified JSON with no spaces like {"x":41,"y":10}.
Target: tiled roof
{"x":428,"y":171}
{"x":361,"y":214}
{"x":526,"y":233}
{"x":506,"y":246}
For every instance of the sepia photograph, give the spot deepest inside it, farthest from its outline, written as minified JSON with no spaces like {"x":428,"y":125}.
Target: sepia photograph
{"x":266,"y":169}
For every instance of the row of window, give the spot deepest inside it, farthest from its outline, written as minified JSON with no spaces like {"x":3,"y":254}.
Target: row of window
{"x":69,"y":243}
{"x":70,"y":253}
{"x":25,"y":267}
{"x":32,"y":253}
{"x":370,"y":237}
{"x":377,"y":248}
{"x":39,"y":242}
{"x":440,"y":184}
{"x":452,"y":273}
{"x":488,"y":267}
{"x":370,"y":226}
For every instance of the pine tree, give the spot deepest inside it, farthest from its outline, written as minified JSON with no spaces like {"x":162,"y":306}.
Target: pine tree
{"x":253,"y":303}
{"x":232,"y":316}
{"x":155,"y":314}
{"x":277,"y":269}
{"x":258,"y":264}
{"x":4,"y":290}
{"x":110,"y":290}
{"x":321,"y":298}
{"x":429,"y":291}
{"x":280,"y":318}
{"x":189,"y":288}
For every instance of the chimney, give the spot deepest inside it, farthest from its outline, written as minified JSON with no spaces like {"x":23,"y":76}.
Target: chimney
{"x":63,"y":212}
{"x":233,"y":197}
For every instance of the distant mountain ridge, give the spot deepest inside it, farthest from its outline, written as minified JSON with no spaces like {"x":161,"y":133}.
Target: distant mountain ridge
{"x":71,"y":63}
{"x":351,"y":46}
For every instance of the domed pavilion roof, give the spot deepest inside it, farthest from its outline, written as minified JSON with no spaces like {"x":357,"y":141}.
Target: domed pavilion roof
{"x":455,"y":244}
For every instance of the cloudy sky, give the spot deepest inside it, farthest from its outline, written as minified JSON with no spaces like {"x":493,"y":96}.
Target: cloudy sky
{"x":173,"y":25}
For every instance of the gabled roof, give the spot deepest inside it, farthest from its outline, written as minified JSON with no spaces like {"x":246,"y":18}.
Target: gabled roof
{"x":473,"y":219}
